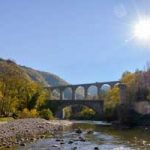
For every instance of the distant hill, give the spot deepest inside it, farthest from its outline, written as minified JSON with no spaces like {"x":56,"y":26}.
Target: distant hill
{"x":45,"y":78}
{"x":26,"y":73}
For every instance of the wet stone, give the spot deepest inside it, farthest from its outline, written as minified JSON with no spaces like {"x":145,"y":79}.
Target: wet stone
{"x":55,"y":145}
{"x":79,"y":131}
{"x":70,"y":142}
{"x":22,"y":144}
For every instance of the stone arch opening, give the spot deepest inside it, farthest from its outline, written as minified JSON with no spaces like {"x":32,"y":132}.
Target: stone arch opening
{"x":79,"y":93}
{"x":75,"y":109}
{"x":103,"y":90}
{"x":105,"y":87}
{"x":67,"y":93}
{"x":78,"y":112}
{"x":56,"y":94}
{"x":92,"y":92}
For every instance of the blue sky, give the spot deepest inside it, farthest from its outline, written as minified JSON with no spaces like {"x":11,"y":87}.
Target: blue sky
{"x":79,"y":40}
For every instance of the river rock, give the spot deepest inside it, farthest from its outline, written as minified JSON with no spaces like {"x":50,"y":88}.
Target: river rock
{"x":22,"y":144}
{"x":89,"y":132}
{"x":79,"y":131}
{"x":55,"y":145}
{"x":70,"y":142}
{"x":82,"y":139}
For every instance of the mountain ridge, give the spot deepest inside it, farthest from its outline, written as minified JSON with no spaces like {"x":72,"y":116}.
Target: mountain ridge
{"x":42,"y":77}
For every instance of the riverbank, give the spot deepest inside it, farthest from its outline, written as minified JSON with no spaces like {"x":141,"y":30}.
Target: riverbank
{"x":22,"y":131}
{"x":85,"y":135}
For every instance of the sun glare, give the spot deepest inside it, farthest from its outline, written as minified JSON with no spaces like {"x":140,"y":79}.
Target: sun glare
{"x":141,"y":30}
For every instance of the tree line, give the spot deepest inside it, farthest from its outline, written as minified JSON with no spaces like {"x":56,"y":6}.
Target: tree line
{"x":21,"y":96}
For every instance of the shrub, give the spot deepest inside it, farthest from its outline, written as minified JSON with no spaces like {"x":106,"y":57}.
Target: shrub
{"x":33,"y":113}
{"x":110,"y":114}
{"x":46,"y":114}
{"x":87,"y":113}
{"x":28,"y":113}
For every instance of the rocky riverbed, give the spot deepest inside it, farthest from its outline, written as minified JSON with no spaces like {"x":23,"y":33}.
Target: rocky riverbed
{"x":22,"y":131}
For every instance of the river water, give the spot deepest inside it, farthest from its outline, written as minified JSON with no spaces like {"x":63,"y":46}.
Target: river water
{"x":95,"y":135}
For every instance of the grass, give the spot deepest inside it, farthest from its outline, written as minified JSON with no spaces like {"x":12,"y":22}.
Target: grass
{"x":6,"y":119}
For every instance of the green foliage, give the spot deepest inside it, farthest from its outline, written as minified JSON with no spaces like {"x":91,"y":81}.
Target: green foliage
{"x":87,"y":113}
{"x":46,"y":114}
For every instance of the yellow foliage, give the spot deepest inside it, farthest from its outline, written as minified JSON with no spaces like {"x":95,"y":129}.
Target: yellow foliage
{"x":87,"y":113}
{"x":29,"y":114}
{"x":112,"y":98}
{"x":34,"y":113}
{"x":128,"y":78}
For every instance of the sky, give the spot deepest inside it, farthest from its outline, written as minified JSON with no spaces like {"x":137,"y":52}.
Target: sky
{"x":81,"y":41}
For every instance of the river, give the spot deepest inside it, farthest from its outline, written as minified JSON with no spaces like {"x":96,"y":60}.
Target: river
{"x":95,"y":135}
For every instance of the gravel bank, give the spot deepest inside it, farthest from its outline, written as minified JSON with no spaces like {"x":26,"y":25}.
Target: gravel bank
{"x":21,"y":131}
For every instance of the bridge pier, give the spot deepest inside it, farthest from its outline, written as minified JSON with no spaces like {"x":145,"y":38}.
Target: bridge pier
{"x":73,"y":93}
{"x":61,"y":94}
{"x":98,"y":91}
{"x":85,"y":92}
{"x":122,"y":88}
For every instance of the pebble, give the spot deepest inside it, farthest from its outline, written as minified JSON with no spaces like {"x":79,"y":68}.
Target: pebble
{"x":21,"y":131}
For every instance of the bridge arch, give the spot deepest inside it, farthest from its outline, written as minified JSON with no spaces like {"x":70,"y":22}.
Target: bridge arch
{"x":79,"y":92}
{"x":106,"y":87}
{"x":56,"y":93}
{"x":57,"y":106}
{"x":92,"y":92}
{"x":67,"y":93}
{"x":59,"y":112}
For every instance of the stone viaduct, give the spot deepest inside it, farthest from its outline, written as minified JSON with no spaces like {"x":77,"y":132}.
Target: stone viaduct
{"x":95,"y":104}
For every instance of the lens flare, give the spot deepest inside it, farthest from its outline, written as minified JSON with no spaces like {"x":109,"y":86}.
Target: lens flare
{"x":141,"y":30}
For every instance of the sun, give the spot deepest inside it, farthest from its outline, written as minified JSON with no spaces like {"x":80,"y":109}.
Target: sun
{"x":141,"y":30}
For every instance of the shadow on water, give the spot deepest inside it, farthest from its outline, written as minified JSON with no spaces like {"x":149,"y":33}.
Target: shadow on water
{"x":94,"y":134}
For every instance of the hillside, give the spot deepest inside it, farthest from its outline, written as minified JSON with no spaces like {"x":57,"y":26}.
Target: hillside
{"x":26,"y":73}
{"x":45,"y":78}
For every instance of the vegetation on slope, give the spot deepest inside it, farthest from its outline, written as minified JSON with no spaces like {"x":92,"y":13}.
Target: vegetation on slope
{"x":17,"y":90}
{"x":45,"y":78}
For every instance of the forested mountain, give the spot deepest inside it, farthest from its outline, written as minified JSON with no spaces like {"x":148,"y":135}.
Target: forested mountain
{"x":45,"y":78}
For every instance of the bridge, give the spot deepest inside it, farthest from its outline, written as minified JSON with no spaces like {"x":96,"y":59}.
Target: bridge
{"x":95,"y":104}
